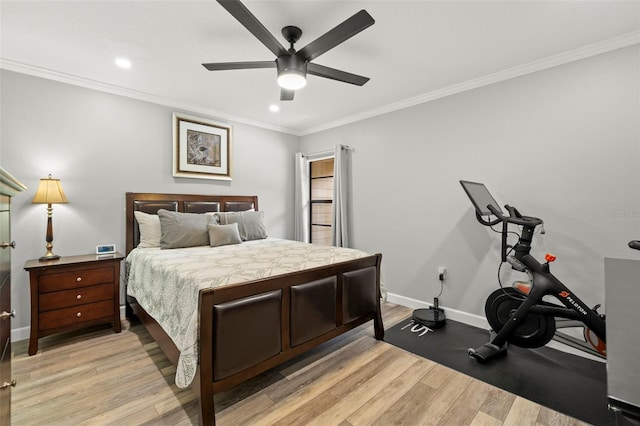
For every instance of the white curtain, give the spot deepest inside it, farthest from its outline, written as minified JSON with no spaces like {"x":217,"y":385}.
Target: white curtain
{"x":341,"y":196}
{"x":302,"y":200}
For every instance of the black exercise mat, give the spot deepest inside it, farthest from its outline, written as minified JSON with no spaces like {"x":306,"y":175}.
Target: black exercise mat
{"x":567,"y":383}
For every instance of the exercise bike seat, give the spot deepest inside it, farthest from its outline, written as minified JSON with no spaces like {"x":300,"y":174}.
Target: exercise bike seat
{"x":635,"y":244}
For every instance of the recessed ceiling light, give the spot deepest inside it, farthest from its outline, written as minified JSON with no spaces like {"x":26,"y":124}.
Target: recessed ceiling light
{"x":123,"y":63}
{"x":274,"y":108}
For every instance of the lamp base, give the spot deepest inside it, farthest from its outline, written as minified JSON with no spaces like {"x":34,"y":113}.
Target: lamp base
{"x":49,"y":256}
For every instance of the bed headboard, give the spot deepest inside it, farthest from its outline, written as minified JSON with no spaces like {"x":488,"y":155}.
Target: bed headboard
{"x":187,"y":203}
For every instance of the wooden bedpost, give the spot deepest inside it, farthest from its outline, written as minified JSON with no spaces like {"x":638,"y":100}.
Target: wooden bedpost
{"x":204,"y":387}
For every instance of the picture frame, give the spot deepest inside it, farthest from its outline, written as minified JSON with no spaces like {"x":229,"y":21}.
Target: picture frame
{"x":201,"y":148}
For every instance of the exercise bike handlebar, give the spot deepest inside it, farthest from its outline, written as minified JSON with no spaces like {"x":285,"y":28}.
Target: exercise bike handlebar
{"x":514,"y":217}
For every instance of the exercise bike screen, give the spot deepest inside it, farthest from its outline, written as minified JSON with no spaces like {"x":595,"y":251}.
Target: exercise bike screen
{"x":480,"y":197}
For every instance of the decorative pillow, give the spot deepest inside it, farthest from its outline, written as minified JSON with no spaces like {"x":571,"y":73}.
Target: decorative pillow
{"x":222,"y":235}
{"x":149,"y":225}
{"x":183,"y":229}
{"x":250,"y":223}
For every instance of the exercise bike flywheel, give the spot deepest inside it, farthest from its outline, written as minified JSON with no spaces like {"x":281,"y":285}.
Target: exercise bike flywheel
{"x":534,"y":331}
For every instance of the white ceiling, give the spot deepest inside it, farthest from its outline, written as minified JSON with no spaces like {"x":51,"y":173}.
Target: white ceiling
{"x":416,"y":50}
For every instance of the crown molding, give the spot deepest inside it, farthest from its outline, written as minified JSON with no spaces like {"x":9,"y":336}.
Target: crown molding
{"x":584,"y":52}
{"x":580,"y":53}
{"x":35,"y":71}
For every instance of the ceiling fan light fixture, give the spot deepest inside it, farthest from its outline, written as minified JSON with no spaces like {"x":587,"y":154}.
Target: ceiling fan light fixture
{"x":292,"y":80}
{"x":292,"y":72}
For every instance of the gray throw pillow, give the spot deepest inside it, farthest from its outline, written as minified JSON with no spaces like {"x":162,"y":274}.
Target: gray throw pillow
{"x":223,"y":235}
{"x":183,"y":229}
{"x":250,"y":223}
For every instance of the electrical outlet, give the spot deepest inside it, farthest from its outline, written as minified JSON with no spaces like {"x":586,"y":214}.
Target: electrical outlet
{"x":441,"y":272}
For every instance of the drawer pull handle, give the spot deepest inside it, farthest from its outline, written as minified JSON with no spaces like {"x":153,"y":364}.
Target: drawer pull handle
{"x":79,"y":297}
{"x":79,"y":279}
{"x":5,"y":314}
{"x":5,"y":244}
{"x":79,"y":314}
{"x":12,"y":383}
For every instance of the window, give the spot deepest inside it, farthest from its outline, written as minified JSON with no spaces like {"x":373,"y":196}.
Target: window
{"x":321,"y":183}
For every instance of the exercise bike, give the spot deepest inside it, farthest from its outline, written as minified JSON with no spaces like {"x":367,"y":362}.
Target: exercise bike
{"x":518,"y":314}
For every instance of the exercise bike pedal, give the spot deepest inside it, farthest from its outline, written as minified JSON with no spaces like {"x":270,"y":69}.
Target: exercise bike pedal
{"x":486,"y":352}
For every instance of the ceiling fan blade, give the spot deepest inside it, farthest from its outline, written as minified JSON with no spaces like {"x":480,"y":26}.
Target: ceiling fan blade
{"x":286,"y":94}
{"x":221,"y":66}
{"x":255,"y":27}
{"x":334,"y":74}
{"x":337,"y":35}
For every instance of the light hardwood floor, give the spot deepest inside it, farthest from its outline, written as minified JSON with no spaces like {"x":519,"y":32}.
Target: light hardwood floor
{"x":97,"y":377}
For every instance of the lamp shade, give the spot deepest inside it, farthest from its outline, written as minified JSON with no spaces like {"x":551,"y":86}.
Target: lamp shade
{"x":49,"y":192}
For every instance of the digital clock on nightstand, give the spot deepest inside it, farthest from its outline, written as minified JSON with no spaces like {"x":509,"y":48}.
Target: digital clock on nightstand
{"x":106,"y":249}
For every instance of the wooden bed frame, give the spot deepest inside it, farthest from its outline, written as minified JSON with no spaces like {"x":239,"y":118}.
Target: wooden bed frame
{"x":296,"y":312}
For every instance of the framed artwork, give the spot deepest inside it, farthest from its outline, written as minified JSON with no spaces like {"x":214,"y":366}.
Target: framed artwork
{"x":201,"y":148}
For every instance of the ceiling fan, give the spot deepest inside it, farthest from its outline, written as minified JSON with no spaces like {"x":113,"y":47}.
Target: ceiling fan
{"x":293,"y":66}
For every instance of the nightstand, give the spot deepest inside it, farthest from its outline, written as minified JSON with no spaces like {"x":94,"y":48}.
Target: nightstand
{"x":73,"y":292}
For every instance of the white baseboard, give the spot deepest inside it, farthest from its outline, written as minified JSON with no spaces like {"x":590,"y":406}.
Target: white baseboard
{"x":23,"y":333}
{"x":460,"y":316}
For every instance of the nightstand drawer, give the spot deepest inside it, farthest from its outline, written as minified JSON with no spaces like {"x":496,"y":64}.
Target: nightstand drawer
{"x":75,"y":297}
{"x":75,"y":279}
{"x":76,"y":315}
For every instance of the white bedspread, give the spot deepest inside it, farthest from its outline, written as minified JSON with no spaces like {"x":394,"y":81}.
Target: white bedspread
{"x":166,"y":283}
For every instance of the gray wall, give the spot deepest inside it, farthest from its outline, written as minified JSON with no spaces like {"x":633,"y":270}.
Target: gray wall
{"x":568,"y":137}
{"x":561,"y":144}
{"x":101,"y":146}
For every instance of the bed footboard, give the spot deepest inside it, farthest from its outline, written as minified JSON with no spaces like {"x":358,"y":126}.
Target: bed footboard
{"x":247,"y":329}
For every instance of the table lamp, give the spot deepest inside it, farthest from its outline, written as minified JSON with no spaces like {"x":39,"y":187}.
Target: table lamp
{"x":49,"y":192}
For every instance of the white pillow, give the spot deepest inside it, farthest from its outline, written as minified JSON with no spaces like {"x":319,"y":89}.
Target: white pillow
{"x":149,"y":225}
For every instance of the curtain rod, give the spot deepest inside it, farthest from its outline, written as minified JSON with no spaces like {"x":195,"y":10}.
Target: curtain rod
{"x":328,"y":153}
